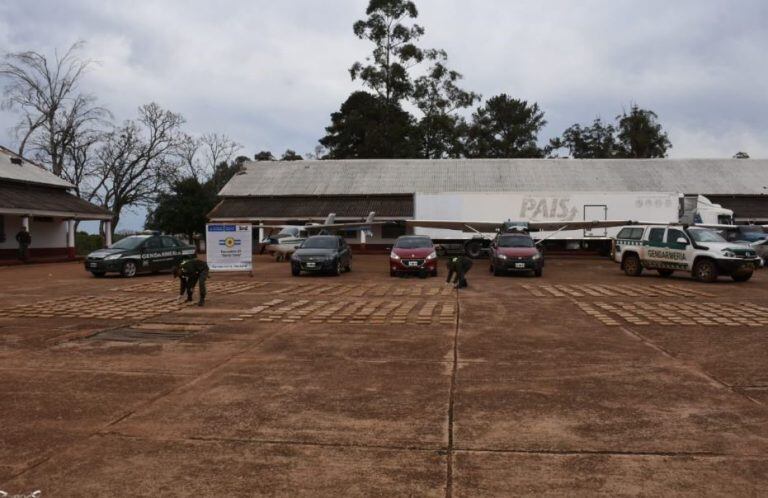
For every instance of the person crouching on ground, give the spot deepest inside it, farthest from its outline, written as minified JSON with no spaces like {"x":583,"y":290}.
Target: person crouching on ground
{"x":457,"y":268}
{"x":192,"y":272}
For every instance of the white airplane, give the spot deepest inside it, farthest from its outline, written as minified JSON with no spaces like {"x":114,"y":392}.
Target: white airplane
{"x":284,"y":243}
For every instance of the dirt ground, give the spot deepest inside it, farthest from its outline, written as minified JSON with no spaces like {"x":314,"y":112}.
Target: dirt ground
{"x":582,"y":382}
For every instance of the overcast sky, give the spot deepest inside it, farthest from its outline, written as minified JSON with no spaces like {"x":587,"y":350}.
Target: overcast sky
{"x":268,"y":74}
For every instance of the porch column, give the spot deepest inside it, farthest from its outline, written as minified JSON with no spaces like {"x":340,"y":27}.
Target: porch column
{"x":71,"y":239}
{"x":25,"y":222}
{"x":362,"y":239}
{"x":261,"y":233}
{"x":108,"y":233}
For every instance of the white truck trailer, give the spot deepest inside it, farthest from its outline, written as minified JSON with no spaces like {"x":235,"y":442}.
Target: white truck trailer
{"x":649,"y":207}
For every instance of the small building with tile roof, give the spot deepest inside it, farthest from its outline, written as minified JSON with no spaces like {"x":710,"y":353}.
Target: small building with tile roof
{"x":33,"y":197}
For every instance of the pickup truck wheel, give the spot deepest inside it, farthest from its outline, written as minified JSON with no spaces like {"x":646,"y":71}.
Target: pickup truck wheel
{"x":392,"y":273}
{"x":129,"y":269}
{"x":632,"y":266}
{"x":705,"y":270}
{"x":741,"y":277}
{"x":665,"y":273}
{"x":474,"y":249}
{"x":295,"y":270}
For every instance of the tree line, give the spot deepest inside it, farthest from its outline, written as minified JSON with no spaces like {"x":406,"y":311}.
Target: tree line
{"x":400,"y":74}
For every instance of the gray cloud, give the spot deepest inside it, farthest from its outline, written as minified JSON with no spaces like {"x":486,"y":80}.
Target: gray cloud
{"x":270,"y":73}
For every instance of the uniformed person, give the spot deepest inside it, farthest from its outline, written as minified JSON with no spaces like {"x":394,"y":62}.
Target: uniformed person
{"x":24,"y":239}
{"x":192,"y":272}
{"x":459,"y":266}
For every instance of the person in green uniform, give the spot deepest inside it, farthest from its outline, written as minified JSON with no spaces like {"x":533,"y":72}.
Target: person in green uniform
{"x":457,"y":269}
{"x":192,"y":272}
{"x":24,"y":239}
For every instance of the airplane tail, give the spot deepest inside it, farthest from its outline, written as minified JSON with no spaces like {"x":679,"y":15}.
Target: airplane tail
{"x":331,"y":219}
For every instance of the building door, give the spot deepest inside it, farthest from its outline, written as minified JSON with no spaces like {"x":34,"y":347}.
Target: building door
{"x":595,"y":212}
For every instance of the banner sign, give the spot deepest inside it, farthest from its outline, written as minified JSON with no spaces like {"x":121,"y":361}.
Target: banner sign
{"x":229,"y":247}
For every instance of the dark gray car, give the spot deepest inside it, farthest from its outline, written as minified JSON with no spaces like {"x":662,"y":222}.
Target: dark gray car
{"x":322,"y":254}
{"x":139,"y":253}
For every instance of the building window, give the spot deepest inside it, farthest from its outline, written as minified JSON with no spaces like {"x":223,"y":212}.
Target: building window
{"x":392,"y":230}
{"x":349,"y":234}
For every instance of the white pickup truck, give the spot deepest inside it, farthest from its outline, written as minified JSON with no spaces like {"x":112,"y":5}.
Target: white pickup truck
{"x":698,"y":250}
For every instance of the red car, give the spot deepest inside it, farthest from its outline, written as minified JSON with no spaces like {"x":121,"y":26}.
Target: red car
{"x":515,"y":252}
{"x":413,"y":254}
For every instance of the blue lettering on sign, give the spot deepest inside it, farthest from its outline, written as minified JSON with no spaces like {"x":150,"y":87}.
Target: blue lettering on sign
{"x":222,"y":228}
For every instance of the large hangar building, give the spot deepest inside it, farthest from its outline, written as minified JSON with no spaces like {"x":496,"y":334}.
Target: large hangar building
{"x":307,"y":191}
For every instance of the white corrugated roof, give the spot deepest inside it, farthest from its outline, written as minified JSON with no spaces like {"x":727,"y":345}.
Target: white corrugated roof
{"x":27,"y":172}
{"x":707,"y":176}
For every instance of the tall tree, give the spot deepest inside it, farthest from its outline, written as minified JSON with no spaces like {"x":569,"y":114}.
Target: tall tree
{"x":389,"y":28}
{"x":366,"y":127}
{"x":264,"y":155}
{"x":54,"y":113}
{"x":596,"y":141}
{"x":505,"y":127}
{"x":640,"y":135}
{"x":137,"y":159}
{"x":438,"y":97}
{"x":183,"y":209}
{"x":200,"y":155}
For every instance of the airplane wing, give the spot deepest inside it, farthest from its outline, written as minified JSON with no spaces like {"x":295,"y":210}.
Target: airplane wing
{"x":464,"y":226}
{"x":342,"y":226}
{"x":577,"y":225}
{"x":487,"y":227}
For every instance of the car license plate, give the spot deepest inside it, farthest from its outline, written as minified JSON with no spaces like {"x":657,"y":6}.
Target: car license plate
{"x":413,"y":263}
{"x":311,"y":265}
{"x":93,"y":265}
{"x":519,"y":265}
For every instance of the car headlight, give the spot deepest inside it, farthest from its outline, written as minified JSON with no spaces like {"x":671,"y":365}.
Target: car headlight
{"x":394,"y":256}
{"x":536,"y":257}
{"x":729,"y":254}
{"x":114,"y":256}
{"x":432,"y":255}
{"x":502,"y":256}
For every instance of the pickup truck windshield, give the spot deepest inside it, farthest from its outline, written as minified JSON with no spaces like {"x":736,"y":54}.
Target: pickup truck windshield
{"x":703,"y":235}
